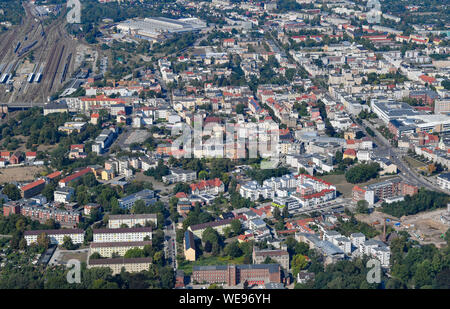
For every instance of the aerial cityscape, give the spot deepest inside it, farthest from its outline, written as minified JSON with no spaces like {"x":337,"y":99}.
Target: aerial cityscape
{"x":224,"y":144}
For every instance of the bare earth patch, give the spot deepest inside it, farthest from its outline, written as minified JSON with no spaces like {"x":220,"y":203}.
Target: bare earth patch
{"x":25,"y":173}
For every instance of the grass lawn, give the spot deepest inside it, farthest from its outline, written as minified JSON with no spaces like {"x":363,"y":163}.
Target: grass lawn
{"x":346,"y":188}
{"x":414,"y":163}
{"x":186,"y":266}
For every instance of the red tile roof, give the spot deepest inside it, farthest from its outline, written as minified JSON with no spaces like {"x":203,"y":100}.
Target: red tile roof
{"x":76,"y":175}
{"x":350,"y":152}
{"x":54,"y":175}
{"x":32,"y":185}
{"x":202,"y":185}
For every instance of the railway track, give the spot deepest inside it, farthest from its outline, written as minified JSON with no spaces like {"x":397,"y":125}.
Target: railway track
{"x":6,"y":44}
{"x":53,"y":56}
{"x":55,"y":71}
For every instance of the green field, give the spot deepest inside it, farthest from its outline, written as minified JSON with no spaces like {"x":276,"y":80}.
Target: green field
{"x":345,"y":187}
{"x":414,"y":163}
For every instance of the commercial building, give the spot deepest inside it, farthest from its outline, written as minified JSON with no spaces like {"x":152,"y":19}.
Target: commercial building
{"x":153,"y":27}
{"x":131,"y":220}
{"x":388,"y":110}
{"x":232,"y":275}
{"x":56,"y":236}
{"x":122,"y":234}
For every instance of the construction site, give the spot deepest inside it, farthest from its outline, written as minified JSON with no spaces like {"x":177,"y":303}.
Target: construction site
{"x":425,"y":227}
{"x":35,"y":59}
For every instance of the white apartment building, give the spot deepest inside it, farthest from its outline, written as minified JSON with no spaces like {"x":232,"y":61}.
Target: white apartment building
{"x":116,"y":264}
{"x":376,"y":249}
{"x":252,"y":190}
{"x":108,"y":249}
{"x":122,"y":234}
{"x":179,"y":175}
{"x":116,"y":221}
{"x":56,"y":236}
{"x":357,"y":239}
{"x":443,"y":181}
{"x":63,"y":195}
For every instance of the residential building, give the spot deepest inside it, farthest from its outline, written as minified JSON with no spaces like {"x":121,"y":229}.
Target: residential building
{"x":63,"y":195}
{"x":32,"y":189}
{"x":219,"y":226}
{"x":179,"y":175}
{"x":443,"y":181}
{"x":122,"y":234}
{"x":131,"y":220}
{"x":189,"y":246}
{"x":280,"y":256}
{"x":110,"y":249}
{"x":146,"y":195}
{"x":56,"y":236}
{"x":131,"y":265}
{"x":212,"y":186}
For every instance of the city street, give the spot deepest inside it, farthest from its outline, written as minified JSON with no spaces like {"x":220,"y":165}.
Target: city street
{"x":170,"y":246}
{"x":394,"y":154}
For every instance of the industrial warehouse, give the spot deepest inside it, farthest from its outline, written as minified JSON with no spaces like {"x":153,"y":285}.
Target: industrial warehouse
{"x":153,"y":27}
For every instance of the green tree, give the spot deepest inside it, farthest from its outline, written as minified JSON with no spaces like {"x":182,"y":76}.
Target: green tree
{"x":236,"y":226}
{"x":12,"y":192}
{"x":67,"y":243}
{"x":298,"y":263}
{"x":43,"y":241}
{"x":362,"y":207}
{"x":134,"y":253}
{"x":232,"y":249}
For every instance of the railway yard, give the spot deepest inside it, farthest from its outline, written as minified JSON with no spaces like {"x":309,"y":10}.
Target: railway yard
{"x":35,"y":60}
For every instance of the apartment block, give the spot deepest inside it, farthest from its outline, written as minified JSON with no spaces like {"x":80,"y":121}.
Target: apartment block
{"x":122,"y":234}
{"x":108,"y":249}
{"x":131,"y":220}
{"x":56,"y":236}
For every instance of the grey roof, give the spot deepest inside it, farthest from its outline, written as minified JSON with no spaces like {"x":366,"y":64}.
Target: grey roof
{"x":146,"y":193}
{"x":189,"y":240}
{"x":274,"y":286}
{"x":210,"y":224}
{"x":113,"y":261}
{"x":132,"y":216}
{"x":123,"y":230}
{"x":120,"y":244}
{"x":273,"y":268}
{"x":359,"y":234}
{"x":445,"y":176}
{"x":54,"y":232}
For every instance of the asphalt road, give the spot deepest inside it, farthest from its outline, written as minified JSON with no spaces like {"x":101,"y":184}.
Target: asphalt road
{"x":170,"y":244}
{"x":395,"y":156}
